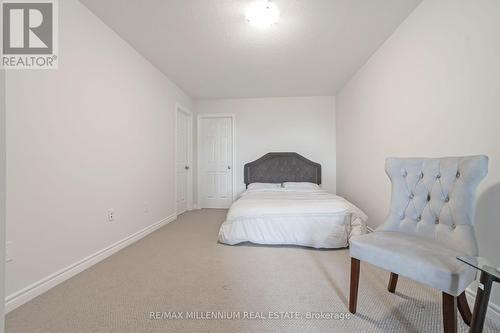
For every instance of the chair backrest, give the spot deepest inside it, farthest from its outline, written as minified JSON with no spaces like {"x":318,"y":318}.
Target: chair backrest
{"x":435,"y":198}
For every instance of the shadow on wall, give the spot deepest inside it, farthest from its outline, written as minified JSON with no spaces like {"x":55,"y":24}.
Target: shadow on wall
{"x":488,"y":227}
{"x":488,"y":221}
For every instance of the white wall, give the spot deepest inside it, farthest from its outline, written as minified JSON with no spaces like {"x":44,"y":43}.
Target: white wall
{"x":431,"y":90}
{"x":97,"y":133}
{"x":305,"y":125}
{"x":2,"y":198}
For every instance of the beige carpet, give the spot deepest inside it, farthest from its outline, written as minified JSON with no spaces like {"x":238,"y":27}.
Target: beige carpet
{"x":181,"y":267}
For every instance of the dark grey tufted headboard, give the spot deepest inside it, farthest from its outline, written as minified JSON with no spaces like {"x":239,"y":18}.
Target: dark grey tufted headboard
{"x":282,"y":167}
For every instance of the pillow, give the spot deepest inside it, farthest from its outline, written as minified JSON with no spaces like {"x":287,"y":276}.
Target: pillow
{"x":256,"y":186}
{"x":301,"y":185}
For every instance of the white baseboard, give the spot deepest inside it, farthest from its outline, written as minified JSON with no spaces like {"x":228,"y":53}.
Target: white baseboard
{"x":24,"y":295}
{"x":493,"y":309}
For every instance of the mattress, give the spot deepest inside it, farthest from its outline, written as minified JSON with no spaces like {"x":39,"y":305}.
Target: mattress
{"x":305,"y":217}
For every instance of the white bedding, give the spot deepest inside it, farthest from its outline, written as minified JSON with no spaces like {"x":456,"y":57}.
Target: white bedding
{"x":306,"y":217}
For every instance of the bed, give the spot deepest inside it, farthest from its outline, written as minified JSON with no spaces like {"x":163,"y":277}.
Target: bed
{"x":283,"y":204}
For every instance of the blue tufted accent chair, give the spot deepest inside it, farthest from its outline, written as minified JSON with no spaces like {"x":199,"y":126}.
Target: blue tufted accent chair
{"x":430,"y":223}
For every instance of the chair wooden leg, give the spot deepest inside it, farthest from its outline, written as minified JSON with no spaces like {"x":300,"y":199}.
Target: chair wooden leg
{"x":449,"y":313}
{"x":463,"y":308}
{"x":393,"y":281}
{"x":353,"y":294}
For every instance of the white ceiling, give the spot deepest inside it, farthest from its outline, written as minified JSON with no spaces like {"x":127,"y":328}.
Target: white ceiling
{"x":209,"y":50}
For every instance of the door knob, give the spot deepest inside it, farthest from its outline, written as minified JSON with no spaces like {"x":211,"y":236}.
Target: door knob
{"x":186,"y":167}
{"x":229,"y":167}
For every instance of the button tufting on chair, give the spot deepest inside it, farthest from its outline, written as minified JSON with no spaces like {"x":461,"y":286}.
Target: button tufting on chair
{"x":398,"y":245}
{"x":458,"y":174}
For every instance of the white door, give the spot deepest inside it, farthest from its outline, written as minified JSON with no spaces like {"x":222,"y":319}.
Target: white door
{"x":183,"y":161}
{"x":216,"y":159}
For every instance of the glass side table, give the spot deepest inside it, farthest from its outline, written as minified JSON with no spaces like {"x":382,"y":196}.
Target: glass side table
{"x":490,"y":272}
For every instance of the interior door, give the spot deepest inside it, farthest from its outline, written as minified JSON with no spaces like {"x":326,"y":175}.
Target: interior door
{"x":183,"y":166}
{"x":216,"y":158}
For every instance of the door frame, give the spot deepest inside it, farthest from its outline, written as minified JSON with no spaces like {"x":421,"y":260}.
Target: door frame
{"x":233,"y":140}
{"x":180,"y":108}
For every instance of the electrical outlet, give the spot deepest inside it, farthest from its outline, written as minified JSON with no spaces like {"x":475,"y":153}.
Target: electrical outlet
{"x":8,"y":252}
{"x":111,"y":215}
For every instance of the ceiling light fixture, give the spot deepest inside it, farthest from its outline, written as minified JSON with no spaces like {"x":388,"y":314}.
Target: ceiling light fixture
{"x":262,"y":13}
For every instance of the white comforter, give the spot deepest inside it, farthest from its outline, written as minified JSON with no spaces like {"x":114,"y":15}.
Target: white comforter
{"x":304,"y":217}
